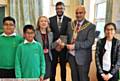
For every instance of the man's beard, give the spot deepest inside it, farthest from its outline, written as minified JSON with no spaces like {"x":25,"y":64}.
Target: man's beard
{"x":60,"y":14}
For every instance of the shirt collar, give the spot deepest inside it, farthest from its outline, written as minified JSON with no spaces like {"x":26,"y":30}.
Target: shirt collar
{"x":25,"y":41}
{"x":60,"y":17}
{"x":13,"y":34}
{"x":81,"y":22}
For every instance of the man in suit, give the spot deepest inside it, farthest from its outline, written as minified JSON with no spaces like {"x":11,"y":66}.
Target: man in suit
{"x":81,"y":36}
{"x":59,"y":26}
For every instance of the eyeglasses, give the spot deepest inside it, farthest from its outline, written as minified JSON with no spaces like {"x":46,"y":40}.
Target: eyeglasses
{"x":30,"y":32}
{"x":6,"y":24}
{"x":110,"y":29}
{"x":79,"y":12}
{"x":59,"y":8}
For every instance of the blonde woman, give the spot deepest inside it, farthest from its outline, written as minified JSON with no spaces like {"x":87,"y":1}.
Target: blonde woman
{"x":45,"y":37}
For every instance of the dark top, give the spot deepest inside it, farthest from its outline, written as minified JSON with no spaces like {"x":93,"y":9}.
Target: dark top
{"x":45,"y":41}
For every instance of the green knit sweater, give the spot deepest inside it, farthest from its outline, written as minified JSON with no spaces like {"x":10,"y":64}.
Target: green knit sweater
{"x":30,"y":62}
{"x":8,"y":46}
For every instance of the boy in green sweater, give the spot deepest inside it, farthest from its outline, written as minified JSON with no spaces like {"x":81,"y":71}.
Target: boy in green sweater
{"x":30,"y":62}
{"x":8,"y":45}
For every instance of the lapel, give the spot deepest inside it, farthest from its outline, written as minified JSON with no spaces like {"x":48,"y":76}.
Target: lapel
{"x":113,"y":45}
{"x":114,"y":54}
{"x":103,"y":45}
{"x":85,"y":21}
{"x":63,"y":21}
{"x":55,"y":20}
{"x":75,"y":22}
{"x":56,"y":24}
{"x":49,"y":38}
{"x":40,"y":38}
{"x":82,"y":26}
{"x":102,"y":49}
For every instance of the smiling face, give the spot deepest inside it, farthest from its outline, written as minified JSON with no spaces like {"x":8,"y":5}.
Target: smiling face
{"x":60,"y":10}
{"x":29,"y":35}
{"x":110,"y":31}
{"x":8,"y":27}
{"x":80,"y":13}
{"x":43,"y":22}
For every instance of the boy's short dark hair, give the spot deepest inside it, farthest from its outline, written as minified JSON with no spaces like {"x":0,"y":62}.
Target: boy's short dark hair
{"x":59,"y":3}
{"x":9,"y":18}
{"x":29,"y":26}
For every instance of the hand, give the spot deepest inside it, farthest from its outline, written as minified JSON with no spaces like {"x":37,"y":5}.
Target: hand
{"x":41,"y":78}
{"x":58,"y":48}
{"x":70,"y":46}
{"x":62,"y":45}
{"x":58,"y":41}
{"x":106,"y":77}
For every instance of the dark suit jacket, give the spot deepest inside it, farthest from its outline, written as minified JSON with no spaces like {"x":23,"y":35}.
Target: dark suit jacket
{"x":54,"y":26}
{"x":84,"y":42}
{"x":115,"y":55}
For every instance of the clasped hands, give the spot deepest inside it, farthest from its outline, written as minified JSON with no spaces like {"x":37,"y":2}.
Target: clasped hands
{"x":60,"y":45}
{"x":70,"y":46}
{"x":106,"y":77}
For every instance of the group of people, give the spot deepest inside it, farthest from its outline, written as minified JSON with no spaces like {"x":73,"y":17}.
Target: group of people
{"x":58,"y":40}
